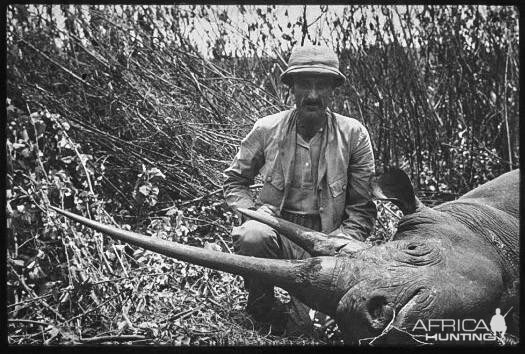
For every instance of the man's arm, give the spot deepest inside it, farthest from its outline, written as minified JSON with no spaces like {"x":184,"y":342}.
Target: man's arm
{"x":360,"y":210}
{"x":245,"y":166}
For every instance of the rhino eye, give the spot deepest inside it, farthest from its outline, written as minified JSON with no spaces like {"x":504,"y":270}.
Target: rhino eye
{"x":418,"y":249}
{"x":414,"y":246}
{"x":418,"y":253}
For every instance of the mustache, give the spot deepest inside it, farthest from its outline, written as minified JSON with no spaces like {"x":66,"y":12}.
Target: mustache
{"x":311,"y":103}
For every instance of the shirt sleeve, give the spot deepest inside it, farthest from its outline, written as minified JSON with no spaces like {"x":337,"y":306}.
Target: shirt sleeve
{"x":360,"y":210}
{"x":245,"y":166}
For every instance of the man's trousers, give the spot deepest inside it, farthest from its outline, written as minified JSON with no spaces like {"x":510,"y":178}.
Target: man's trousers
{"x":256,"y":239}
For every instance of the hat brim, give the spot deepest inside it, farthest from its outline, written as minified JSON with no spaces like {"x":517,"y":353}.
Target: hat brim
{"x":287,"y":76}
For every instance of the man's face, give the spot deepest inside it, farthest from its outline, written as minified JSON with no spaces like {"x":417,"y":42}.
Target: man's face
{"x":313,"y":93}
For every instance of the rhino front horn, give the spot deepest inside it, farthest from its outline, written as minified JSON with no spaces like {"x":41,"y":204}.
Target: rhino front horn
{"x":307,"y":279}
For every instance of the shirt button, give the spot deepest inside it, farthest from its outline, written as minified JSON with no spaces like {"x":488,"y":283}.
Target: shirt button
{"x":321,"y":209}
{"x":306,"y":164}
{"x":269,"y":178}
{"x":344,"y":186}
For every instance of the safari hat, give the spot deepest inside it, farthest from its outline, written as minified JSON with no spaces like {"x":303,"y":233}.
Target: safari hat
{"x":313,"y":60}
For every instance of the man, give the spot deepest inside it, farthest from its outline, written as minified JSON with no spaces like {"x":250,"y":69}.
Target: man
{"x":316,"y":166}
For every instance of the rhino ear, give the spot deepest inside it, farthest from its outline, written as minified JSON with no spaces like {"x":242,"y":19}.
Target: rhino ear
{"x":394,"y":185}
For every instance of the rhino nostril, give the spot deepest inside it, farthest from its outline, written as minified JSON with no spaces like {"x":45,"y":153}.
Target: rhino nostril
{"x":375,"y":305}
{"x":380,"y":312}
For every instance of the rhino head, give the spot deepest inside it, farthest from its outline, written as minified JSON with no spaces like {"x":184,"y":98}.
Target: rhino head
{"x":437,"y":266}
{"x":428,"y":271}
{"x":456,"y":261}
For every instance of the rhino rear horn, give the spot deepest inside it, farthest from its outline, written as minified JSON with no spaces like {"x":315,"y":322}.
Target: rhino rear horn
{"x":394,"y":185}
{"x":314,"y":242}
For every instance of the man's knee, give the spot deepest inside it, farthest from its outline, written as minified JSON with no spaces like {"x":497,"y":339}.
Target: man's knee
{"x":253,"y":238}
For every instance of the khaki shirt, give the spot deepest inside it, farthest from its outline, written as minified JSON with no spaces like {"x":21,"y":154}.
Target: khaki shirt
{"x":302,"y":198}
{"x":346,"y":165}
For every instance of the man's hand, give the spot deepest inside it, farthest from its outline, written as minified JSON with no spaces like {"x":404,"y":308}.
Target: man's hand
{"x":353,"y":246}
{"x":350,"y":244}
{"x":265,"y":208}
{"x":338,"y":233}
{"x":268,"y":209}
{"x":343,"y":232}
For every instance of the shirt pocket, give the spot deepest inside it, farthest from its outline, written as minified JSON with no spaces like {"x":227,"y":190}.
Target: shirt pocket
{"x":338,"y":187}
{"x":272,"y":191}
{"x":276,"y":179}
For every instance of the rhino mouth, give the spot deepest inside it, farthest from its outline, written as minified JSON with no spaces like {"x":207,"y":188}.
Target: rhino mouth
{"x":418,"y":303}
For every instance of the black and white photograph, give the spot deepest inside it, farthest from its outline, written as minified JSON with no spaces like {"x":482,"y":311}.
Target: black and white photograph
{"x":262,"y":175}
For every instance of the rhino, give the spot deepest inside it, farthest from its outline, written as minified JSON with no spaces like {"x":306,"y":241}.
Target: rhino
{"x":458,"y":260}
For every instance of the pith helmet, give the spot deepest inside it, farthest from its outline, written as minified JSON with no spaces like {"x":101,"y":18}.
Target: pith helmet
{"x":313,"y":60}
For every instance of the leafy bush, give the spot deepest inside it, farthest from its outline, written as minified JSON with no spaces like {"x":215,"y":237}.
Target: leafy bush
{"x":116,"y":112}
